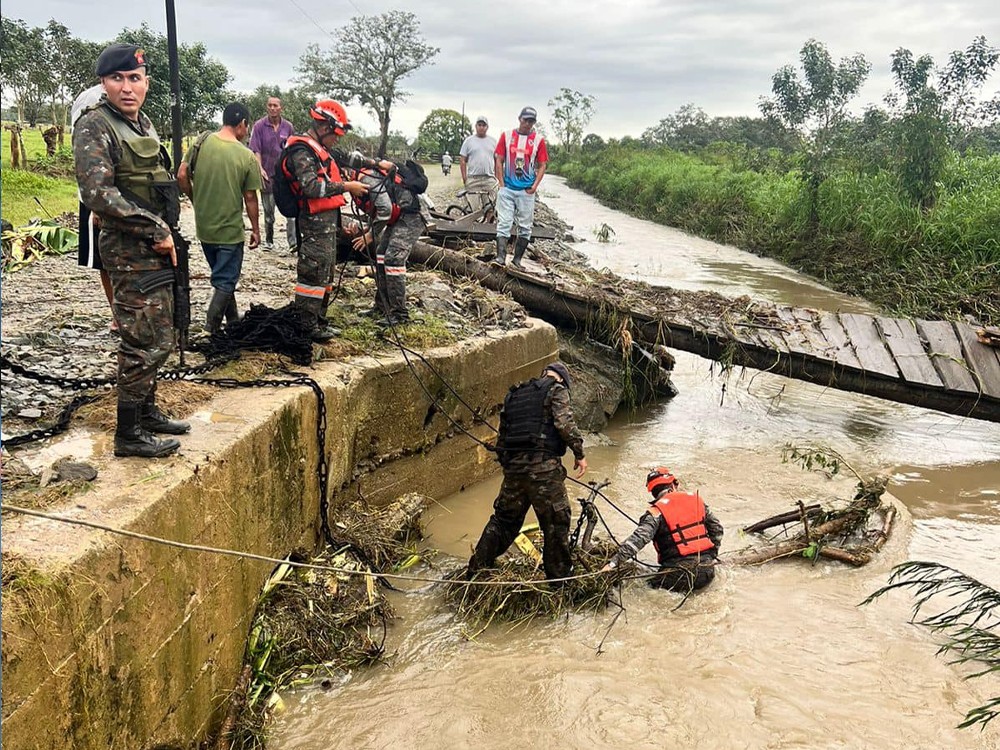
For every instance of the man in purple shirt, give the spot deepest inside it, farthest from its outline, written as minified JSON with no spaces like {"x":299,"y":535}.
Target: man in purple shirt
{"x":268,"y":138}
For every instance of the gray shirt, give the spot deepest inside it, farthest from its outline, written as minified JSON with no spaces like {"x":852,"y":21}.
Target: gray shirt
{"x":478,"y":154}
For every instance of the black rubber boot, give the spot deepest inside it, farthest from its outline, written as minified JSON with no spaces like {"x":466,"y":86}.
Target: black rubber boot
{"x":232,"y":312}
{"x":217,"y":309}
{"x":269,"y":235}
{"x":519,"y":250}
{"x":501,"y":258}
{"x":154,"y":420}
{"x":132,"y":440}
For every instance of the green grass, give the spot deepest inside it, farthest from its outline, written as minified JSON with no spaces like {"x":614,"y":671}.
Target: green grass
{"x":868,"y":241}
{"x":20,"y":187}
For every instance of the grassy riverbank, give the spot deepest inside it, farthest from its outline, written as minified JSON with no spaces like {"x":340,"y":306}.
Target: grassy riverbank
{"x":48,"y":179}
{"x":867,"y":241}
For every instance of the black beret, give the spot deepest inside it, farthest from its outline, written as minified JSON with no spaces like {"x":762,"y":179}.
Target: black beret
{"x":561,"y":370}
{"x":117,"y":57}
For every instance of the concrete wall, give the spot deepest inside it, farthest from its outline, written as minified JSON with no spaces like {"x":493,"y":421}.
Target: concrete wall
{"x":119,"y":643}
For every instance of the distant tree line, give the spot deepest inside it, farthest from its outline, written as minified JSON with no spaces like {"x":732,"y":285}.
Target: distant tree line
{"x":932,"y":112}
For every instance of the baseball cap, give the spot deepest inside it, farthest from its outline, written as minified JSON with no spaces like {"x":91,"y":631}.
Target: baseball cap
{"x":528,"y":113}
{"x":119,"y":56}
{"x":482,"y":119}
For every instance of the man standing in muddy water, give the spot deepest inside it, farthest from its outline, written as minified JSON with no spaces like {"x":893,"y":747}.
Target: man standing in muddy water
{"x":686,"y":534}
{"x":536,"y":428}
{"x":123,"y":174}
{"x":519,"y":165}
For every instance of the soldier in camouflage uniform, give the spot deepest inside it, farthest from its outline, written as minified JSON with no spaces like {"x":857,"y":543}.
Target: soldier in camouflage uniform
{"x":536,"y":427}
{"x":317,"y":183}
{"x":395,"y":225}
{"x":124,"y":178}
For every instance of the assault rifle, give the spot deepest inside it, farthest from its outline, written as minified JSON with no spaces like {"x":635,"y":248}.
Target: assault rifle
{"x":182,"y":292}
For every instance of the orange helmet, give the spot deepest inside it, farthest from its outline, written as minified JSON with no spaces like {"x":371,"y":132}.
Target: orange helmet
{"x":332,"y":113}
{"x":659,"y":477}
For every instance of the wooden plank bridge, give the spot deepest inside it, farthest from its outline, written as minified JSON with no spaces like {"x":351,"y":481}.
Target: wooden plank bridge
{"x":938,"y":365}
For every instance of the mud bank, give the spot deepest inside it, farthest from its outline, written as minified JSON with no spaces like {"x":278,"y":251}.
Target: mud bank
{"x":112,"y":642}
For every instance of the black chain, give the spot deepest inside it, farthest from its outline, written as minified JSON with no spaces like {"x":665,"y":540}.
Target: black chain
{"x":72,"y":384}
{"x":62,"y":422}
{"x":56,"y":428}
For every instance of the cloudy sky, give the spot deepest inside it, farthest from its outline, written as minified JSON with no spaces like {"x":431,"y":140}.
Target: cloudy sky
{"x":642,"y":59}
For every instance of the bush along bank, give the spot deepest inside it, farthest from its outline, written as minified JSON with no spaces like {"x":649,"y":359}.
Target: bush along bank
{"x":865,"y":238}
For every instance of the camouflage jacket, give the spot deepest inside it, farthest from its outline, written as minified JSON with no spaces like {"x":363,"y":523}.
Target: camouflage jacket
{"x":557,"y":401}
{"x":127,"y":229}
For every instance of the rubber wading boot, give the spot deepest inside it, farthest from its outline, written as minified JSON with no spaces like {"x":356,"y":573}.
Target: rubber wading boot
{"x":232,"y":312}
{"x":154,"y":420}
{"x":519,"y":250}
{"x":217,"y":309}
{"x":501,"y":258}
{"x":323,"y":332}
{"x":132,"y":440}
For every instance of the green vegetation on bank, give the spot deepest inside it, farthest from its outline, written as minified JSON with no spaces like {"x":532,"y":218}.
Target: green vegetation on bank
{"x":868,"y":240}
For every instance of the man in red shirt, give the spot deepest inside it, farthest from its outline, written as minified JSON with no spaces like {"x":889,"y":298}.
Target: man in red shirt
{"x":520,"y":159}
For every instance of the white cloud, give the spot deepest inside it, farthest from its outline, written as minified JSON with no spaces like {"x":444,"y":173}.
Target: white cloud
{"x":642,"y":59}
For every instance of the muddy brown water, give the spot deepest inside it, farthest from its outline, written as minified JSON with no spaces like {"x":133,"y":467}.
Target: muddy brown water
{"x":779,"y":656}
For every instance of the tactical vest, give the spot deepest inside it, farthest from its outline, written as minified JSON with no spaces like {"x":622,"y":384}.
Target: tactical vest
{"x":143,"y":171}
{"x":328,"y":170}
{"x":684,"y":516}
{"x":526,"y":426}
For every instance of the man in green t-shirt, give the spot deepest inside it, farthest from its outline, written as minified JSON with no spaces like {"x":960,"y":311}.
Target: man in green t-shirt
{"x":221,"y":176}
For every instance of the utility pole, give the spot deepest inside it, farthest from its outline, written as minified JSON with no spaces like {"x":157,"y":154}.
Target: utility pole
{"x":175,"y":86}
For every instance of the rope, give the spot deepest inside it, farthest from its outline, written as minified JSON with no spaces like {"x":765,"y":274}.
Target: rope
{"x":6,"y":507}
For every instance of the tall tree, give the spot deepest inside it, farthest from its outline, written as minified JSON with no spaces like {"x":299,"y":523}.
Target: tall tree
{"x":572,"y":112}
{"x":443,"y":130}
{"x":22,"y":66}
{"x":815,"y":105}
{"x":371,"y":56}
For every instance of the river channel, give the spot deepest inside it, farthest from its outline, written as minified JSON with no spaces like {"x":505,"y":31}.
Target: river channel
{"x":778,"y":656}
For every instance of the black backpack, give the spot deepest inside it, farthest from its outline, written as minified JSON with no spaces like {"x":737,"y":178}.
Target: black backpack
{"x":285,"y":198}
{"x":413,"y":177}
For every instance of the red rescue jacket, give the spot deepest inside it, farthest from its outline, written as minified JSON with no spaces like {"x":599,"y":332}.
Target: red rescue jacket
{"x":684,"y":515}
{"x":328,"y":170}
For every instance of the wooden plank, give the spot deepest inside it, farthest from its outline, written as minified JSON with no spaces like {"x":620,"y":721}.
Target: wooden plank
{"x":809,"y":326}
{"x":792,"y":334}
{"x":981,"y":358}
{"x":945,"y":352}
{"x":868,"y":345}
{"x":842,"y":352}
{"x":908,"y":351}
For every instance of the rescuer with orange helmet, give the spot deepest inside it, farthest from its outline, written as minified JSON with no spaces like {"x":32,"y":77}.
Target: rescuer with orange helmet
{"x":312,"y":167}
{"x":684,"y":532}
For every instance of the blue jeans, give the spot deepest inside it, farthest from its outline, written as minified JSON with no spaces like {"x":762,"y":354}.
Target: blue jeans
{"x":515,"y":205}
{"x":226,"y":262}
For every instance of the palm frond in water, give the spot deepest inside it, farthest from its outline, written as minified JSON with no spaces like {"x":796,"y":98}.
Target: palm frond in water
{"x":970,"y":624}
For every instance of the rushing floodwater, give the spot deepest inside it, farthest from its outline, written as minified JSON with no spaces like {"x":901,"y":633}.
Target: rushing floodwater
{"x":778,"y":656}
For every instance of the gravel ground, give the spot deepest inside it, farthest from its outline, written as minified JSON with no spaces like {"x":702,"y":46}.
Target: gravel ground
{"x":56,"y":320}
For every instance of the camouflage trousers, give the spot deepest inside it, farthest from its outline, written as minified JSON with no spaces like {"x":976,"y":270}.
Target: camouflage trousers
{"x":315,"y":269}
{"x":542,"y":487}
{"x":390,"y":264}
{"x":146,"y":324}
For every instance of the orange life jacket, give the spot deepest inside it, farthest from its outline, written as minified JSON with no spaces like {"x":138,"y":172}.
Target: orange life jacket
{"x":684,"y":515}
{"x":328,"y":170}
